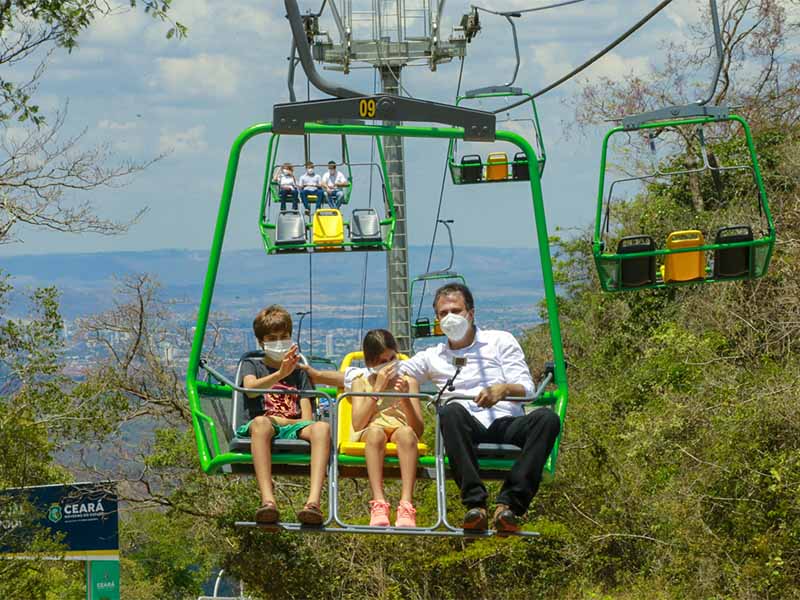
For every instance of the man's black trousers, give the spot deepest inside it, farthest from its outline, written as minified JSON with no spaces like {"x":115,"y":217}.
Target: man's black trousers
{"x":535,"y":433}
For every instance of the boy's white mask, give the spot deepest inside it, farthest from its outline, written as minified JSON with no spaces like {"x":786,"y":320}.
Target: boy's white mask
{"x":277,"y":350}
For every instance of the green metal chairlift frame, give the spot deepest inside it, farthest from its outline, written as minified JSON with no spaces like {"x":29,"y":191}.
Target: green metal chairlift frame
{"x":213,"y":456}
{"x":610,"y":264}
{"x":497,"y":92}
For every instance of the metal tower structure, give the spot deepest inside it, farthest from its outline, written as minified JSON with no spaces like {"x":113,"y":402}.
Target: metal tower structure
{"x":390,"y":35}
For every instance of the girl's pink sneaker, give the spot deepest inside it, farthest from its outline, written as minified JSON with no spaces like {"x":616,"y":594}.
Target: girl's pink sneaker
{"x":406,"y":515}
{"x":378,"y":513}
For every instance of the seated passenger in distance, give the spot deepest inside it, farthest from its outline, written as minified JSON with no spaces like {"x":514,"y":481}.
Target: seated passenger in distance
{"x":278,"y":415}
{"x":287,"y":185}
{"x":334,"y":182}
{"x":495,"y":369}
{"x":377,"y":420}
{"x":311,"y":185}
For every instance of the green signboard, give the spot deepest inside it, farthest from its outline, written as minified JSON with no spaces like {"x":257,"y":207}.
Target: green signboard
{"x":102,"y":580}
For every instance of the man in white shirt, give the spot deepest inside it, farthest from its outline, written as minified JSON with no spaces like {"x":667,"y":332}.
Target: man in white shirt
{"x":334,"y":182}
{"x":310,"y":184}
{"x":495,"y":369}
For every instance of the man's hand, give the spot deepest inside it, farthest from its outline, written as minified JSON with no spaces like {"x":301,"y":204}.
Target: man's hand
{"x":309,"y":370}
{"x":491,"y":395}
{"x":289,"y":362}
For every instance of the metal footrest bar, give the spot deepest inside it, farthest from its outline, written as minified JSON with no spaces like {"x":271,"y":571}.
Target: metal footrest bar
{"x":365,"y":529}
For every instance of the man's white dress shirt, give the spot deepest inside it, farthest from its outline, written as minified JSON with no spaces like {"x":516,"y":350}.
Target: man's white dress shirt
{"x":493,"y":357}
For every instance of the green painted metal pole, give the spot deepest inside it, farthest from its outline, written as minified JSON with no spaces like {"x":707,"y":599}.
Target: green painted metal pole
{"x":208,"y":288}
{"x":551,"y":300}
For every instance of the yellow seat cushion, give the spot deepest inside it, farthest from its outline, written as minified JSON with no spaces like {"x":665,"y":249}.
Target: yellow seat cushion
{"x":357,"y":448}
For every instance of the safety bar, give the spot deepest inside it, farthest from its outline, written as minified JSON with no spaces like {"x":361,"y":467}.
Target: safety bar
{"x":520,"y":399}
{"x":225,"y":380}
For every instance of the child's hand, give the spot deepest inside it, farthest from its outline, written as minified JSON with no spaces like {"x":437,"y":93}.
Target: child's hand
{"x":289,"y":362}
{"x":385,"y":378}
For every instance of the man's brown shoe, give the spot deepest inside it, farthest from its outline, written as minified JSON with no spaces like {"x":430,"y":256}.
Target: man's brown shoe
{"x":476,"y":520}
{"x":505,"y":521}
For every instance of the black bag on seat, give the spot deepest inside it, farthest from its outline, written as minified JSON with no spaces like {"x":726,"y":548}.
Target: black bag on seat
{"x":290,"y":228}
{"x":636,"y":272}
{"x":732,"y":262}
{"x":519,"y":168}
{"x":471,"y":168}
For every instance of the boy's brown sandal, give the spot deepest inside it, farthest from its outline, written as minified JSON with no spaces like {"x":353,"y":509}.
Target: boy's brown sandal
{"x":311,"y":514}
{"x":267,"y":514}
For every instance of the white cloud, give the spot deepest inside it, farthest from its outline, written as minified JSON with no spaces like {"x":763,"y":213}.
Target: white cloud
{"x":204,"y":75}
{"x":115,"y":126}
{"x":612,"y":65}
{"x":191,"y":141}
{"x":118,"y":28}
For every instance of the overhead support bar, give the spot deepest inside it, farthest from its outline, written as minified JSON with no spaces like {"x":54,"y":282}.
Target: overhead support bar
{"x":675,"y":112}
{"x":290,"y":118}
{"x":304,"y":51}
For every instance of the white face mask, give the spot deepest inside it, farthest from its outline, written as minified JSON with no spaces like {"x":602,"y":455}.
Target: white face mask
{"x":285,"y":172}
{"x":455,"y":327}
{"x":276,"y":350}
{"x":376,"y":370}
{"x":310,"y":171}
{"x":332,"y":170}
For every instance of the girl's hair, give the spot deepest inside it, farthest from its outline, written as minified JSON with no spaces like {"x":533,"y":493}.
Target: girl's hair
{"x":288,"y":166}
{"x":376,"y":342}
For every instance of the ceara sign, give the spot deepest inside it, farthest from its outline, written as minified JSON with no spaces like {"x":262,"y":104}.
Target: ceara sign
{"x":82,"y":515}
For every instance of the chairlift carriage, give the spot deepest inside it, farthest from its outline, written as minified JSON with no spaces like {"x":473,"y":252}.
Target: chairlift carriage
{"x":217,"y":401}
{"x":497,"y":167}
{"x":738,"y":250}
{"x":217,"y":404}
{"x":292,"y":231}
{"x":428,"y":327}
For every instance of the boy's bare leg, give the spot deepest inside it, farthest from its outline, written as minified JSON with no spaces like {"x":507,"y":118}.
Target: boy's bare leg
{"x":407,"y":452}
{"x":261,"y":432}
{"x":375,"y":439}
{"x":319,"y":436}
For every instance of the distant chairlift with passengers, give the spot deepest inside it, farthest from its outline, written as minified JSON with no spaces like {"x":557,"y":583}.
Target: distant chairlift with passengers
{"x":290,"y":231}
{"x":738,"y":251}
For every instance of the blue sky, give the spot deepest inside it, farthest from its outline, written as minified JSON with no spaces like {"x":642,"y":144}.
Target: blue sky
{"x":144,"y":95}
